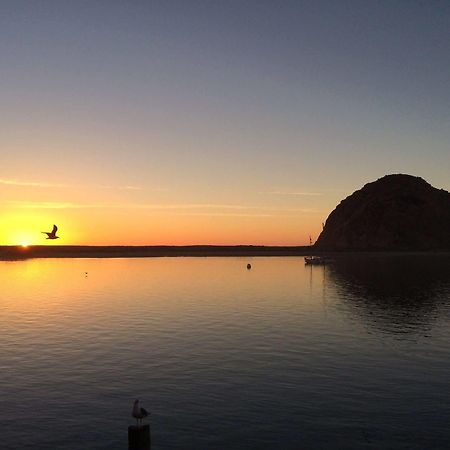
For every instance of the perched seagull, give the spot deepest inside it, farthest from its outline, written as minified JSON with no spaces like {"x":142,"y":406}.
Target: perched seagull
{"x":138,"y":413}
{"x":52,"y":234}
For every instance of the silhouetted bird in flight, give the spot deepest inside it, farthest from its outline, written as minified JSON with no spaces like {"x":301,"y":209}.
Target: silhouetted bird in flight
{"x":138,"y":413}
{"x":52,"y":234}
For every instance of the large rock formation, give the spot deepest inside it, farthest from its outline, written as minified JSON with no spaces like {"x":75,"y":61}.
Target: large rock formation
{"x":396,"y":212}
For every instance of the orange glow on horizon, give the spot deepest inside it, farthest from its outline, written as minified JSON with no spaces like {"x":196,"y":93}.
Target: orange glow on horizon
{"x":168,"y":224}
{"x":157,"y":229}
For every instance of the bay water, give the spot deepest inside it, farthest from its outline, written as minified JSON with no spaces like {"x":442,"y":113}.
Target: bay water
{"x":351,"y":355}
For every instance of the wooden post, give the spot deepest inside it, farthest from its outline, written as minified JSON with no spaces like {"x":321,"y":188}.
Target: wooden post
{"x":139,"y":437}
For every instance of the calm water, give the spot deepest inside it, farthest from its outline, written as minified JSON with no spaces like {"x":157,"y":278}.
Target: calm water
{"x":352,"y":355}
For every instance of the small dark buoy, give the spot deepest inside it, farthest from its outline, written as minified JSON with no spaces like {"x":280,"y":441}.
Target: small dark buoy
{"x":249,"y":266}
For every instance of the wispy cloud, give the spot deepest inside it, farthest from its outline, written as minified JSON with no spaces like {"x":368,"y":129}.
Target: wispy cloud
{"x":294,"y":193}
{"x":49,"y":205}
{"x":10,"y":182}
{"x":234,"y":214}
{"x":69,"y":205}
{"x":40,"y":184}
{"x":183,"y":208}
{"x":126,"y":188}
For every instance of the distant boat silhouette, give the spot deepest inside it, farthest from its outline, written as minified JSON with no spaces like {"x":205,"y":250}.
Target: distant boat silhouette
{"x":315,"y":260}
{"x":52,"y":234}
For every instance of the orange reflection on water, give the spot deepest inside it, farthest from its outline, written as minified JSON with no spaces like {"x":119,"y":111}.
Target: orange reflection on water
{"x":108,"y":285}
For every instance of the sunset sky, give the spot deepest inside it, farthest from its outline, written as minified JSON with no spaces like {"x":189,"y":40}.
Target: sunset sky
{"x":213,"y":122}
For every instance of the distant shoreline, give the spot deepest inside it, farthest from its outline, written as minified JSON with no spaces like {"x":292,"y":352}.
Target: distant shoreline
{"x":117,"y":251}
{"x":14,"y":252}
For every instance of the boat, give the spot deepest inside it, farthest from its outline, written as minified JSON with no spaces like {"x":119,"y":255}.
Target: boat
{"x":316,"y":260}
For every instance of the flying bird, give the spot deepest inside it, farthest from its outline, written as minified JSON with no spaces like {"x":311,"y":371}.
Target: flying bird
{"x":52,"y":234}
{"x":139,"y":413}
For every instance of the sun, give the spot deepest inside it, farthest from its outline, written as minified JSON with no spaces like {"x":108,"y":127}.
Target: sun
{"x":24,"y":244}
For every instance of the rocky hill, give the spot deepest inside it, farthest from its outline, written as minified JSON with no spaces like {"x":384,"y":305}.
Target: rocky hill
{"x":396,"y":212}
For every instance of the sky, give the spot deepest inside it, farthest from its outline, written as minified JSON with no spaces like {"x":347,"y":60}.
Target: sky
{"x":213,"y":122}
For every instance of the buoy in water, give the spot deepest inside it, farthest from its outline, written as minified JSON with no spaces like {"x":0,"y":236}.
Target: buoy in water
{"x":249,"y":266}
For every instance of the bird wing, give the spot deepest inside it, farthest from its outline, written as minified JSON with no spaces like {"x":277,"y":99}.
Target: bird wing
{"x":144,"y":412}
{"x":136,"y":409}
{"x":55,"y":229}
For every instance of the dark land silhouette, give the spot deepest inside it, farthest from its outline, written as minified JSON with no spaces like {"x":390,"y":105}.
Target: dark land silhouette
{"x":89,"y":251}
{"x":397,"y":212}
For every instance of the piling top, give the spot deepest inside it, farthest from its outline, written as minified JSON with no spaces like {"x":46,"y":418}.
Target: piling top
{"x":141,"y":428}
{"x":139,"y":437}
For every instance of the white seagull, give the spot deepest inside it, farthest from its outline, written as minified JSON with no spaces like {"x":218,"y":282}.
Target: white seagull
{"x":52,"y":234}
{"x":138,"y":413}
